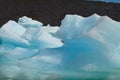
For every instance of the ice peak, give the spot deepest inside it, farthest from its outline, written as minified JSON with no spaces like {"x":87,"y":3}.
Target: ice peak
{"x":28,"y":22}
{"x":94,"y":15}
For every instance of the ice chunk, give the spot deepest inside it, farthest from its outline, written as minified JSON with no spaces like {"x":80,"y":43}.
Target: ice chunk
{"x":50,"y":29}
{"x":7,"y":37}
{"x":30,"y":33}
{"x":39,"y":38}
{"x":28,"y":22}
{"x":37,"y":35}
{"x":74,"y":26}
{"x":13,"y":28}
{"x":11,"y":33}
{"x":105,"y":29}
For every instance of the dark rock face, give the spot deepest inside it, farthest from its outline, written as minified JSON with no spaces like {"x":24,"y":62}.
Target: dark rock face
{"x":53,"y":11}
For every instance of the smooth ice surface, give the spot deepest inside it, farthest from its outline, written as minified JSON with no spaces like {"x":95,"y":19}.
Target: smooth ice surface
{"x":79,"y":46}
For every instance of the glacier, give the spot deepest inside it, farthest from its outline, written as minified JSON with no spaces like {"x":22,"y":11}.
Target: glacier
{"x":80,"y":46}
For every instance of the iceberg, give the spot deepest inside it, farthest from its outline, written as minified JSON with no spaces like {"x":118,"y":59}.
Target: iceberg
{"x":80,"y":46}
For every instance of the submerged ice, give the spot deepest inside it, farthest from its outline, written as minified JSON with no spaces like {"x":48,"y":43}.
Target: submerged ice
{"x":80,"y":43}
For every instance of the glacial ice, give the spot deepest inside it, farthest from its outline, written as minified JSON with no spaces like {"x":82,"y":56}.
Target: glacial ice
{"x":81,"y":26}
{"x":11,"y":32}
{"x":28,"y":22}
{"x":29,"y":49}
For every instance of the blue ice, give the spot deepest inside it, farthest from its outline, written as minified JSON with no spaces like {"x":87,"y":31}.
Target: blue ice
{"x":79,"y":43}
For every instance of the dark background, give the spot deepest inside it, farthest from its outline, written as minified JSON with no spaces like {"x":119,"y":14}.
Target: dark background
{"x":53,"y":11}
